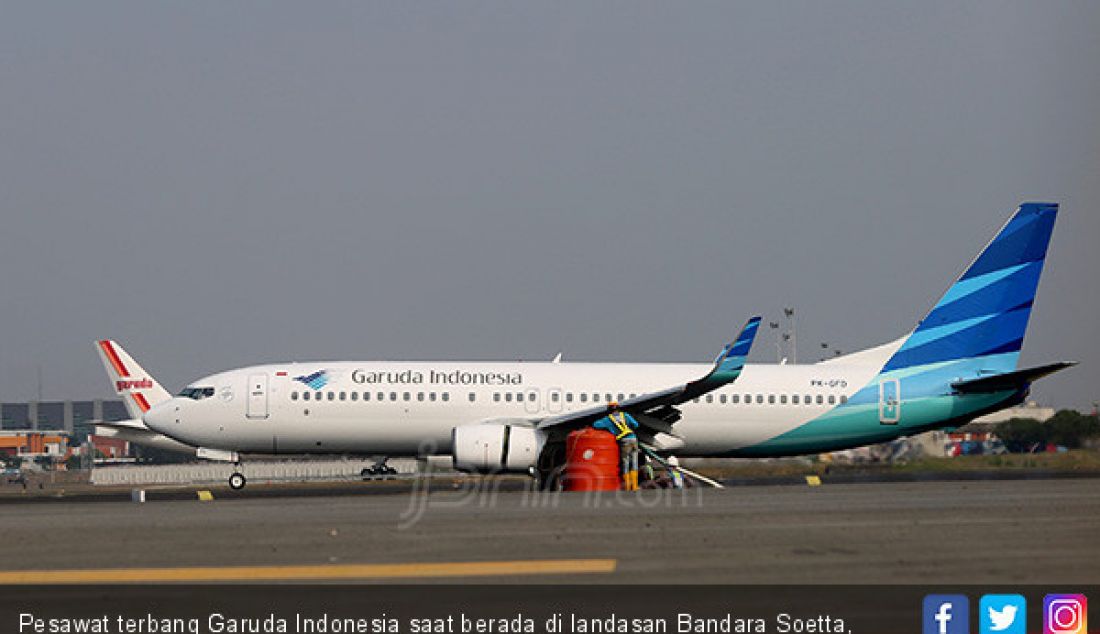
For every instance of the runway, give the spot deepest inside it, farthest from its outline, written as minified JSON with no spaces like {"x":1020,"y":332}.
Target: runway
{"x":1031,"y":532}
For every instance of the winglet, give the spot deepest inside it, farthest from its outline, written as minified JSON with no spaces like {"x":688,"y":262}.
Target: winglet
{"x":732,"y":358}
{"x":727,"y":366}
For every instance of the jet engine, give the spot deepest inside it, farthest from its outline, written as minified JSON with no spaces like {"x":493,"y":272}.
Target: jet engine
{"x":495,"y":448}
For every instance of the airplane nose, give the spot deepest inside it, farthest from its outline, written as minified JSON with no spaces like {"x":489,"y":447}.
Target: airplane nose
{"x":161,"y":418}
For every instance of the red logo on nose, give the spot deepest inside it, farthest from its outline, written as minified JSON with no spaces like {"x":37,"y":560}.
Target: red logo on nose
{"x":143,"y":384}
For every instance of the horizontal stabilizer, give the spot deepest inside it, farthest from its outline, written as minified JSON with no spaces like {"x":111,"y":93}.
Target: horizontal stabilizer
{"x":1008,"y":380}
{"x":135,"y":431}
{"x":121,"y":424}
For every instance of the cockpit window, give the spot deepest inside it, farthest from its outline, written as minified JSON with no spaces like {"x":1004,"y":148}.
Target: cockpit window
{"x":197,"y":393}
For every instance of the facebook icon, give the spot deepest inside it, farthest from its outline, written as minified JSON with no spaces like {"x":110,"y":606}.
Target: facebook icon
{"x":946,"y":614}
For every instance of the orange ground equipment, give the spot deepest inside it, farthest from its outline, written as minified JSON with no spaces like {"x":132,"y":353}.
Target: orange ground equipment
{"x":591,"y":461}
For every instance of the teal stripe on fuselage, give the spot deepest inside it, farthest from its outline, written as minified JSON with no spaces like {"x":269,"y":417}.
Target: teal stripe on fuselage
{"x":851,"y":425}
{"x":934,"y":379}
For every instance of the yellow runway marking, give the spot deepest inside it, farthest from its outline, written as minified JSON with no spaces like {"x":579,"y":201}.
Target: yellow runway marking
{"x":307,"y":573}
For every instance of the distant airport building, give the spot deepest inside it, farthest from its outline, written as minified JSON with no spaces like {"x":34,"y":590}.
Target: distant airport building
{"x":74,"y":417}
{"x":59,"y":429}
{"x":29,"y":444}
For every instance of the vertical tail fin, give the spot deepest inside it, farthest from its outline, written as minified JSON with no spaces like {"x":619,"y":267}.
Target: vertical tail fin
{"x":138,"y":389}
{"x":985,"y":313}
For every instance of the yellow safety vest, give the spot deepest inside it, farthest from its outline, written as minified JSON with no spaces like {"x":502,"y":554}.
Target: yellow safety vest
{"x":619,"y":420}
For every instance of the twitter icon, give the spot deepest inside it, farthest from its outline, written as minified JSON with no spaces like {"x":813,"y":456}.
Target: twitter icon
{"x":1002,"y":614}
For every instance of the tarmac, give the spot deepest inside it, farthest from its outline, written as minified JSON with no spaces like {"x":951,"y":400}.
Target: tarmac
{"x":952,"y":532}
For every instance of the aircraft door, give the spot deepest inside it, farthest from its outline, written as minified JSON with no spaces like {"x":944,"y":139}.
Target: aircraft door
{"x":531,"y":401}
{"x":257,"y":396}
{"x":889,"y":402}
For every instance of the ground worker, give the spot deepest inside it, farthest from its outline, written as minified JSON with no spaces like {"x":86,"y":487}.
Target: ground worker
{"x":622,"y":425}
{"x":674,"y":472}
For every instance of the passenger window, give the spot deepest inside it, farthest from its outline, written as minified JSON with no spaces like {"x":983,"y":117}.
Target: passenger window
{"x":722,"y":399}
{"x":473,"y":397}
{"x":531,"y":397}
{"x":735,"y":399}
{"x":393,"y":396}
{"x":420,"y":396}
{"x":820,"y":400}
{"x":710,"y":398}
{"x":293,"y":396}
{"x":496,"y":397}
{"x":319,"y":396}
{"x":584,"y":397}
{"x":832,"y":399}
{"x":381,"y":396}
{"x":568,"y":397}
{"x":843,"y":399}
{"x":446,"y":396}
{"x":332,"y":396}
{"x":406,"y":396}
{"x":633,"y":395}
{"x":794,"y":399}
{"x":621,"y":397}
{"x":343,"y":396}
{"x":748,"y":399}
{"x":783,"y":399}
{"x":609,"y":399}
{"x":355,"y":396}
{"x":771,"y":399}
{"x":760,"y":399}
{"x":809,"y":400}
{"x":508,"y":397}
{"x":695,"y":400}
{"x":366,"y":396}
{"x":555,"y":397}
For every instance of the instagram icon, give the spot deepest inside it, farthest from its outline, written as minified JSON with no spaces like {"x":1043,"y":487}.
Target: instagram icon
{"x":1065,"y":614}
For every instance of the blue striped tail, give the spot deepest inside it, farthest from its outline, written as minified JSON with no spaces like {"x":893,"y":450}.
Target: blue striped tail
{"x":985,"y":313}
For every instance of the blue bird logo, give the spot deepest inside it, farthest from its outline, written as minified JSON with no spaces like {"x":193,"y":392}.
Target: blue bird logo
{"x":315,"y":381}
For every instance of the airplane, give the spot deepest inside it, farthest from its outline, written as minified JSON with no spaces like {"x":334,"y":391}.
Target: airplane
{"x":958,"y":363}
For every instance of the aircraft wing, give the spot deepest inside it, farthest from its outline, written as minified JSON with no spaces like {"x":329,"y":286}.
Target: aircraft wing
{"x":1008,"y":380}
{"x":656,"y":411}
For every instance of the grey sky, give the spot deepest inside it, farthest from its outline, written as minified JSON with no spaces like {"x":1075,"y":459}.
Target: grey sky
{"x":218,"y":184}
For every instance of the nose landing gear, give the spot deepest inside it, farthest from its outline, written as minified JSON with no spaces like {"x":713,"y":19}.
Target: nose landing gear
{"x":237,"y":481}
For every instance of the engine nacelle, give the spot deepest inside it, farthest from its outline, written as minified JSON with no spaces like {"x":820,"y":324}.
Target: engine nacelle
{"x":495,"y":448}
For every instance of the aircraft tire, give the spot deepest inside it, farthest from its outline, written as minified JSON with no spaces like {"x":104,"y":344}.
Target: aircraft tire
{"x":237,"y":481}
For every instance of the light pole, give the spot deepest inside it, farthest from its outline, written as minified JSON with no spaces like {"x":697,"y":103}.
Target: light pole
{"x":793,"y":329}
{"x":778,"y":350}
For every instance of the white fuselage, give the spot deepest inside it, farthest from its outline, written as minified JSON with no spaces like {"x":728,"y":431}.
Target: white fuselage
{"x":411,"y":408}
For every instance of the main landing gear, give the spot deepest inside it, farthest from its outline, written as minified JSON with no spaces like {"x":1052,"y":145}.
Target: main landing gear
{"x":378,"y":470}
